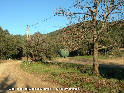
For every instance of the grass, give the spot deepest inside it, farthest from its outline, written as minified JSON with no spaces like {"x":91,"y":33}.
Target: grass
{"x":102,"y":56}
{"x":91,"y":57}
{"x":44,"y":68}
{"x":122,"y":52}
{"x":75,"y":75}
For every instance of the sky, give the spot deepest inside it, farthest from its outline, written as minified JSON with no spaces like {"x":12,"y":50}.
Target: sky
{"x":15,"y":15}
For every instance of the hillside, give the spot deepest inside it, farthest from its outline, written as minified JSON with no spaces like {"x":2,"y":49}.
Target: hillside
{"x":78,"y":36}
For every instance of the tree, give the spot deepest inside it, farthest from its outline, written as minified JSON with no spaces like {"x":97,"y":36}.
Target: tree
{"x":36,"y":46}
{"x":10,"y":45}
{"x":95,"y":10}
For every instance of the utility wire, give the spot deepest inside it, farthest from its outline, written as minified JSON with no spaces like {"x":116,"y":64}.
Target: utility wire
{"x":35,"y":25}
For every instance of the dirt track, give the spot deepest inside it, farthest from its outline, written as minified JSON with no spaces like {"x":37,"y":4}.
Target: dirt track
{"x":12,"y":76}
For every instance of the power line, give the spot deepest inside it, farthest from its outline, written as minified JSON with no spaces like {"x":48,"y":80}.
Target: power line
{"x":45,"y":20}
{"x":41,"y":21}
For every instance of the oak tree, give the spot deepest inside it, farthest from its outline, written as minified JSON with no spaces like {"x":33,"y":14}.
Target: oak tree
{"x":98,"y":12}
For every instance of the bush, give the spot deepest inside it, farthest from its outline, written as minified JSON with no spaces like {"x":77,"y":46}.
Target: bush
{"x":64,"y":52}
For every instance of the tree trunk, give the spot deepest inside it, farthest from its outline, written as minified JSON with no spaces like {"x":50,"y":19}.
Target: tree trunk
{"x":95,"y":48}
{"x":95,"y":41}
{"x":27,"y":57}
{"x":95,"y":55}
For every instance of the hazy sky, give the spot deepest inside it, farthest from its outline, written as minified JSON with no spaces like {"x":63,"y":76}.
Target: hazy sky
{"x":16,"y":14}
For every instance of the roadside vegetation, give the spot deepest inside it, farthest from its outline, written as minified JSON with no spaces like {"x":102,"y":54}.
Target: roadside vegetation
{"x":110,"y":80}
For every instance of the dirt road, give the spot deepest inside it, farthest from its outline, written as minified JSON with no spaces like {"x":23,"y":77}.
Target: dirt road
{"x":12,"y":76}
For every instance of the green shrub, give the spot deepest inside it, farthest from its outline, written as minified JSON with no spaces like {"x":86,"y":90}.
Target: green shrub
{"x":64,"y":52}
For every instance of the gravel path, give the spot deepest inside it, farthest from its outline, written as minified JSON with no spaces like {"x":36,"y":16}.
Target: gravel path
{"x":12,"y":76}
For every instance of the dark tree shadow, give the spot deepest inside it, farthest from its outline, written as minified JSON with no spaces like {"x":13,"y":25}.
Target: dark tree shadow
{"x":4,"y":87}
{"x":112,"y":71}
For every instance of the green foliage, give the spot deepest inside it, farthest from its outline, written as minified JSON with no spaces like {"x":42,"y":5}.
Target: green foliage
{"x":64,"y":52}
{"x":36,"y":46}
{"x":41,"y":47}
{"x":11,"y":46}
{"x":86,"y":49}
{"x":111,"y":40}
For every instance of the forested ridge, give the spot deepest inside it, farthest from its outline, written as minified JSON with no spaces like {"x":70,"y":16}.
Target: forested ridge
{"x":76,"y":38}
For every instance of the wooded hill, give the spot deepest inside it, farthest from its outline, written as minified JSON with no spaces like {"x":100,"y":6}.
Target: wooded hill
{"x":77,"y":38}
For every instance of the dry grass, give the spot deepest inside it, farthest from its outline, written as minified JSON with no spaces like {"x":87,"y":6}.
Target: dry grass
{"x":118,"y":60}
{"x":4,"y":61}
{"x":73,"y":60}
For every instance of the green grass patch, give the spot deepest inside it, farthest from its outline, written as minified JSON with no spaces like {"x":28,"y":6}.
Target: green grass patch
{"x":47,"y":68}
{"x":76,"y":75}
